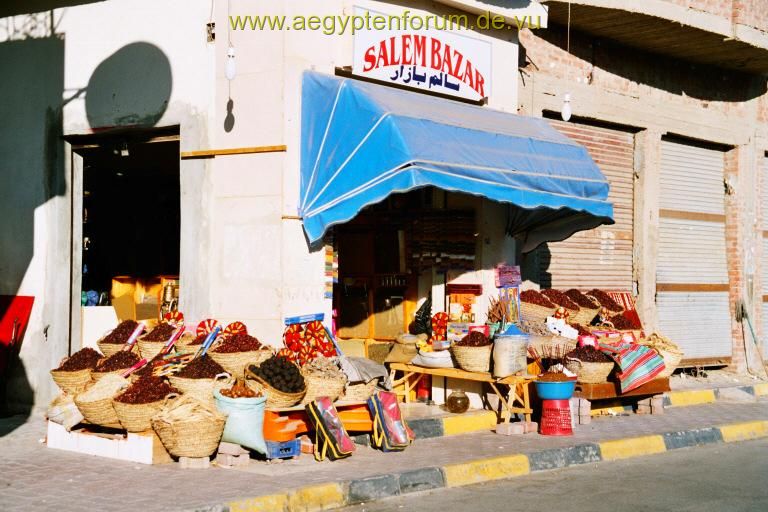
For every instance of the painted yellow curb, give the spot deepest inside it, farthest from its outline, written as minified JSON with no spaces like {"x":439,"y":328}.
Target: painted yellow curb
{"x":761,"y":389}
{"x":455,"y":425}
{"x":317,"y":497}
{"x":744,"y":431}
{"x":270,"y":503}
{"x":692,"y":397}
{"x":486,"y":470}
{"x":632,"y":447}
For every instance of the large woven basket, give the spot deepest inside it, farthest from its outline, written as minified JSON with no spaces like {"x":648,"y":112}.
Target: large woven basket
{"x":137,"y":417}
{"x":583,"y":316}
{"x":72,"y":382}
{"x":360,"y":391}
{"x":236,"y":362}
{"x":276,"y":399}
{"x":671,"y":362}
{"x":473,"y":359}
{"x":98,"y":409}
{"x":111,"y":348}
{"x":589,"y":372}
{"x":200,"y":389}
{"x":97,"y":376}
{"x":318,"y":386}
{"x":149,"y":349}
{"x":188,"y":427}
{"x":534,"y":312}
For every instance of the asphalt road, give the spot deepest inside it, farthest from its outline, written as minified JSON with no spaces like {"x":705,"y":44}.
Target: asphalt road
{"x":719,"y":478}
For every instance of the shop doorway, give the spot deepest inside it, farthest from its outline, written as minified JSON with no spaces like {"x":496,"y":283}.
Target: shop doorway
{"x":126,"y":229}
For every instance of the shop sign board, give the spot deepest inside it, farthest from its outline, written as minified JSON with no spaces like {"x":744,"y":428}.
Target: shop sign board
{"x":439,"y":61}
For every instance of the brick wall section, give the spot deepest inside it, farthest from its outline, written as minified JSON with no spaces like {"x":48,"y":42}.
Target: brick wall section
{"x":752,"y":13}
{"x":722,"y":8}
{"x":734,"y":216}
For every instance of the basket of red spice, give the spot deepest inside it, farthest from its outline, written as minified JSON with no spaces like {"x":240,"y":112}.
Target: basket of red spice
{"x":136,"y":406}
{"x":237,"y":351}
{"x":155,"y":340}
{"x":74,"y":373}
{"x":114,"y":340}
{"x":559,"y":298}
{"x":117,"y":364}
{"x":605,"y":300}
{"x":590,"y":365}
{"x":473,"y":352}
{"x":535,"y":307}
{"x":588,"y":307}
{"x":198,"y":378}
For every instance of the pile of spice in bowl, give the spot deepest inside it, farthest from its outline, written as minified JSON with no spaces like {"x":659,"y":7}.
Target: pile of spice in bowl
{"x":560,"y":298}
{"x":474,"y":339}
{"x":162,"y":332}
{"x":116,"y":363}
{"x":236,"y":351}
{"x":201,"y":368}
{"x":606,"y":300}
{"x":589,"y":354}
{"x":84,"y":359}
{"x":582,"y":300}
{"x":118,"y":336}
{"x":239,"y":390}
{"x":74,"y":373}
{"x":536,"y":298}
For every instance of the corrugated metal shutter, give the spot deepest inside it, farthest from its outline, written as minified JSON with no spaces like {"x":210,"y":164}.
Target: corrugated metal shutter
{"x":600,"y":257}
{"x":692,"y":270}
{"x":764,"y":260}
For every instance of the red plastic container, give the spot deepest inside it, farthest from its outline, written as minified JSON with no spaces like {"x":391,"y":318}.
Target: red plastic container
{"x":555,"y":418}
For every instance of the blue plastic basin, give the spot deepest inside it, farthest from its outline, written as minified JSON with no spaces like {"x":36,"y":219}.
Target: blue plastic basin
{"x":555,"y":390}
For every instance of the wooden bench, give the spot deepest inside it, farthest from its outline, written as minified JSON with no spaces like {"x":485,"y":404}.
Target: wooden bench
{"x":516,"y":401}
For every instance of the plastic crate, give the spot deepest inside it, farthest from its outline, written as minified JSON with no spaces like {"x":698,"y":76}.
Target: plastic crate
{"x":284,"y":450}
{"x":555,"y":418}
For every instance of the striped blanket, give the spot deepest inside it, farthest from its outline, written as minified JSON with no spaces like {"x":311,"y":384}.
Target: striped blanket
{"x":639,"y":364}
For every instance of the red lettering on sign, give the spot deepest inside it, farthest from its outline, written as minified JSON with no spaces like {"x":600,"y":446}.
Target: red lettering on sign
{"x":480,"y":83}
{"x":370,"y":59}
{"x":436,"y":60}
{"x":419,"y":47}
{"x":407,"y":60}
{"x":383,"y":60}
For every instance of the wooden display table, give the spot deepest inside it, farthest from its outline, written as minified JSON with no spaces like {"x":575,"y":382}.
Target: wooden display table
{"x":608,"y":390}
{"x":518,"y":385}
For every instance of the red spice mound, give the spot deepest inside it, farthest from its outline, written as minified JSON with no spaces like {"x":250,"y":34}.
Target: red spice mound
{"x":605,"y":300}
{"x":81,"y":360}
{"x":554,"y":377}
{"x":623,"y":323}
{"x":162,"y":332}
{"x":560,"y":299}
{"x":121,"y":333}
{"x":474,"y":339}
{"x":589,"y":354}
{"x":198,"y":340}
{"x":117,"y":361}
{"x":147,"y":368}
{"x":581,"y":299}
{"x":146,"y":390}
{"x":534,"y":297}
{"x":238,"y":343}
{"x":201,"y":368}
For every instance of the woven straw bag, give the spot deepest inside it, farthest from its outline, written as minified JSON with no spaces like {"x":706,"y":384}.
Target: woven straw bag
{"x":72,"y":382}
{"x":188,"y":427}
{"x":318,"y":385}
{"x":359,"y":391}
{"x":276,"y":399}
{"x":534,"y":312}
{"x":473,"y":359}
{"x":200,"y":389}
{"x":95,"y":403}
{"x":97,"y":376}
{"x":583,"y":316}
{"x":671,"y":361}
{"x":589,"y":372}
{"x":149,"y":349}
{"x":109,"y":349}
{"x":236,"y":362}
{"x":137,"y":417}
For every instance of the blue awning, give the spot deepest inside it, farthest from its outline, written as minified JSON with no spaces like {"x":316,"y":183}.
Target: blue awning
{"x":362,"y":142}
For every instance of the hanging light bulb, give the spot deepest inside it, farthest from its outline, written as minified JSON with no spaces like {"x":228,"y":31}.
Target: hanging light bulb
{"x":566,"y":112}
{"x":230,"y":69}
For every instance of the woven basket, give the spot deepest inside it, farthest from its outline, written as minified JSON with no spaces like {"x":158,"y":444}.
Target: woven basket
{"x":584,"y":316}
{"x":98,"y":409}
{"x":149,"y":349}
{"x":236,"y":362}
{"x":473,"y":359}
{"x":275,"y":398}
{"x":188,"y":427}
{"x":97,"y":376}
{"x":318,"y":386}
{"x":111,"y":348}
{"x":589,"y":372}
{"x":671,"y":362}
{"x":360,"y":391}
{"x":137,"y":417}
{"x":72,"y":382}
{"x":612,"y":313}
{"x":201,"y":389}
{"x":534,"y":312}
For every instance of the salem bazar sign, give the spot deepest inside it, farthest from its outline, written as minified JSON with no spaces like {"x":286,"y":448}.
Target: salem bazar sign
{"x":431,"y":60}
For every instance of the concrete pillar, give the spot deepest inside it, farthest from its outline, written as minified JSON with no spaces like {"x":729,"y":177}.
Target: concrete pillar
{"x":646,"y":224}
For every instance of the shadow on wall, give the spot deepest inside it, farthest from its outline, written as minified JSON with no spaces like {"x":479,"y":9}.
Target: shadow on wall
{"x":14,"y":7}
{"x":131,"y":87}
{"x":31,"y":173}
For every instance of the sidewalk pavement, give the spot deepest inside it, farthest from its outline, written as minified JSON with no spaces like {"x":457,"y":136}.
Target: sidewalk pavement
{"x":34,"y":477}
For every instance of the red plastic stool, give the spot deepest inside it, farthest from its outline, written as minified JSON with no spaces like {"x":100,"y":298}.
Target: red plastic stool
{"x":556,"y":418}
